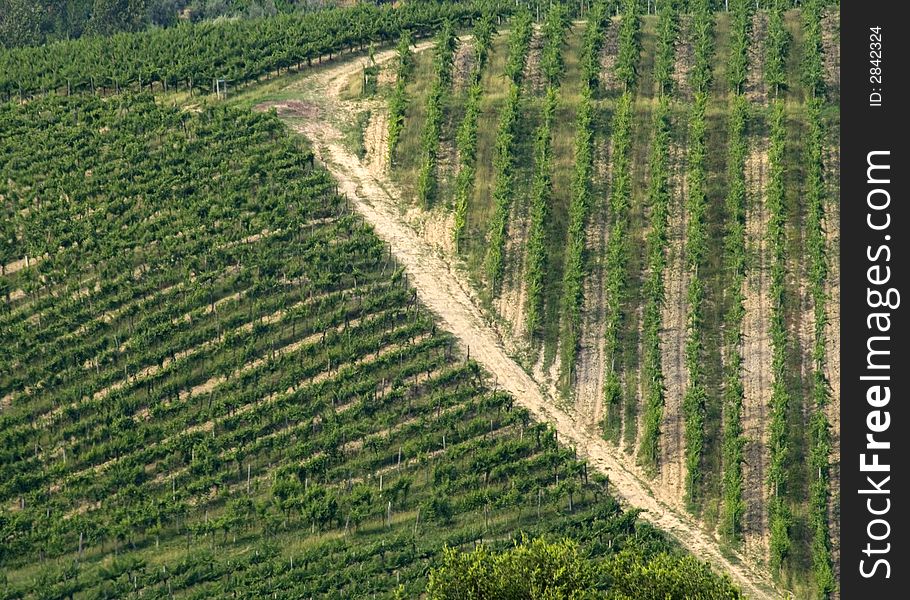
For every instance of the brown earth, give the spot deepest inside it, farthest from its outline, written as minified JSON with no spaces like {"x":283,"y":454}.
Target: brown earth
{"x":756,"y":352}
{"x":673,"y":336}
{"x":756,"y":90}
{"x":684,"y":58}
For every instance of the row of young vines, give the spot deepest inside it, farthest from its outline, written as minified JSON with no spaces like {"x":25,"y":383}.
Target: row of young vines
{"x":819,"y":434}
{"x":695,"y":397}
{"x":659,"y":200}
{"x":552,"y":65}
{"x":504,"y":158}
{"x":618,"y":206}
{"x":573,"y":272}
{"x":427,"y":183}
{"x":735,"y":263}
{"x":466,"y":137}
{"x":779,"y":514}
{"x":398,"y":103}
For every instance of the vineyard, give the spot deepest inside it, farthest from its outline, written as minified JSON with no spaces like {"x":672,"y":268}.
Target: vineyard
{"x":652,"y":242}
{"x":222,"y":373}
{"x":224,"y":385}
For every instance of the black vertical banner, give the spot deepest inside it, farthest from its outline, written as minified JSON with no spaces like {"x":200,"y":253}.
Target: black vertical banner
{"x":875,"y":373}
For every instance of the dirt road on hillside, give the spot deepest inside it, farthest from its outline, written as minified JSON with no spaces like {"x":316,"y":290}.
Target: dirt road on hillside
{"x":375,"y":197}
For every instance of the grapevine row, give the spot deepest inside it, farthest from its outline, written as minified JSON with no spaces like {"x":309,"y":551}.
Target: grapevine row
{"x":665,"y":54}
{"x":777,"y":48}
{"x":398,"y":103}
{"x":542,"y":185}
{"x":780,"y":520}
{"x":618,"y":205}
{"x":442,"y":66}
{"x":819,"y":434}
{"x":466,"y":138}
{"x":695,"y":398}
{"x":735,"y":258}
{"x":656,"y":261}
{"x":617,"y":254}
{"x":652,"y":322}
{"x":504,"y":154}
{"x":574,"y":266}
{"x":735,"y":263}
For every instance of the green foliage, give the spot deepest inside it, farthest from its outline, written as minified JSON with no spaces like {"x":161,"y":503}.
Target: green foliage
{"x":777,"y":47}
{"x":559,"y":569}
{"x":598,"y":20}
{"x":735,"y":258}
{"x":696,"y":247}
{"x":626,"y":67}
{"x":554,"y":34}
{"x":813,"y":69}
{"x":779,"y":436}
{"x":398,"y":103}
{"x":617,"y":260}
{"x":701,"y":75}
{"x":665,"y":55}
{"x":819,"y":434}
{"x":542,"y":184}
{"x":466,"y":138}
{"x":504,"y":153}
{"x":652,"y":369}
{"x":532,"y":569}
{"x":740,"y":27}
{"x":664,"y":576}
{"x":442,"y":67}
{"x":574,"y":265}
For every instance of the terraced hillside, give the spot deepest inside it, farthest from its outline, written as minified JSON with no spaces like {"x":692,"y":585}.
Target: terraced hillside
{"x":647,"y":209}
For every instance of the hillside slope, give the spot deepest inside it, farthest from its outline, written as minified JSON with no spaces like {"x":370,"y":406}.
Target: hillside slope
{"x":446,"y":294}
{"x":687,"y":285}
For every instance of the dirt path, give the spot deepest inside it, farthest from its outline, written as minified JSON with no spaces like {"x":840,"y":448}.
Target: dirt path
{"x":511,"y":301}
{"x":608,"y":56}
{"x":684,"y":58}
{"x":831,"y":51}
{"x":673,"y":336}
{"x":756,"y":89}
{"x":831,"y":226}
{"x":22,"y":263}
{"x":441,"y":290}
{"x":590,"y":363}
{"x":756,"y":352}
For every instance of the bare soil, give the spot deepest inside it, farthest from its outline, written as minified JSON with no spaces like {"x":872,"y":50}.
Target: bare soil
{"x":756,"y":90}
{"x":533,"y":76}
{"x":684,"y":58}
{"x":590,"y":362}
{"x":757,"y":376}
{"x":608,"y":55}
{"x":831,"y":224}
{"x":831,"y":50}
{"x":464,"y":62}
{"x":673,"y":337}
